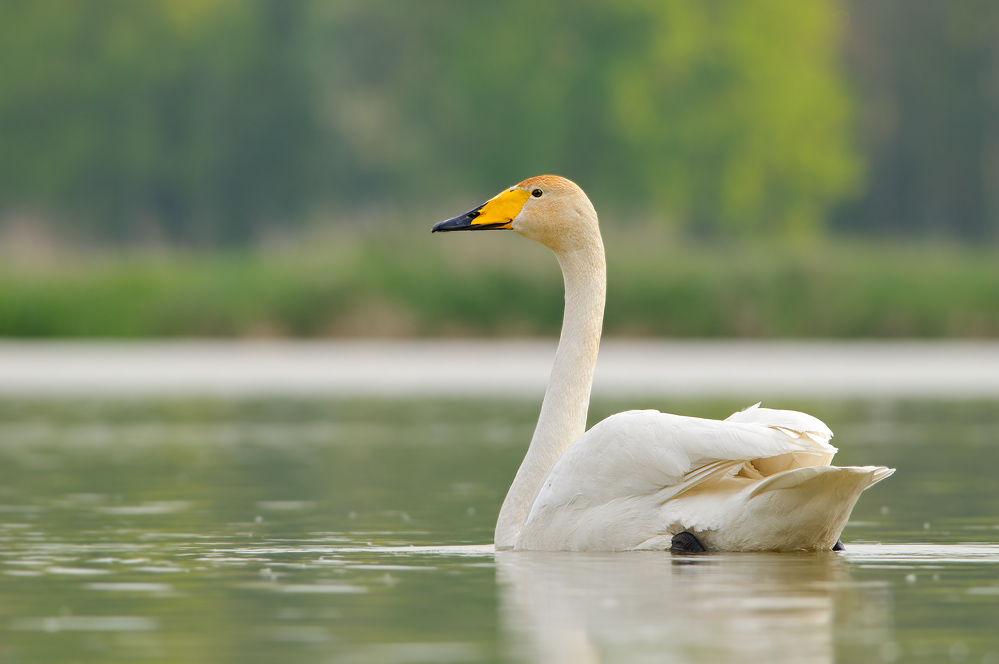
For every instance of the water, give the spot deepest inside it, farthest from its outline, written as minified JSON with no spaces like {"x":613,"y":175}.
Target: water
{"x":358,"y":531}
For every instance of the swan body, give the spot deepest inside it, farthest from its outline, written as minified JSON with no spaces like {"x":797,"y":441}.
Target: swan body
{"x":757,"y":481}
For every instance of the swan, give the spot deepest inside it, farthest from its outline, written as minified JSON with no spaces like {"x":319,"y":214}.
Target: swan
{"x":644,"y":480}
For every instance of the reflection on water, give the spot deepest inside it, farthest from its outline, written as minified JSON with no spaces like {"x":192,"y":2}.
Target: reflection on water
{"x":356,"y":532}
{"x":644,"y":606}
{"x":641,"y":607}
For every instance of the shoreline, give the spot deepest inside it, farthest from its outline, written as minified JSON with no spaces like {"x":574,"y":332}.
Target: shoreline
{"x":499,"y":368}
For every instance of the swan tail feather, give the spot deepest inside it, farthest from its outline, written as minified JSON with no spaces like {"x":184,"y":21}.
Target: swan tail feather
{"x":793,"y":478}
{"x":801,"y":509}
{"x":881,"y":473}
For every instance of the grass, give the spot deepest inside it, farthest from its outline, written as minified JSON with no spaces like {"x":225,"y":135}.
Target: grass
{"x":414,"y":284}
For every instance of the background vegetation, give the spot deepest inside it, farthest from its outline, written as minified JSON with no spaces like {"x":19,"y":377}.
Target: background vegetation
{"x":764,"y":168}
{"x":400,"y":286}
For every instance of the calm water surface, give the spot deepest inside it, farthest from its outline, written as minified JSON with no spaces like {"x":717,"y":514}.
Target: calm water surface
{"x":319,"y":531}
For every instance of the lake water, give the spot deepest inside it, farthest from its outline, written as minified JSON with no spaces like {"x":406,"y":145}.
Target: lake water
{"x":280,"y":530}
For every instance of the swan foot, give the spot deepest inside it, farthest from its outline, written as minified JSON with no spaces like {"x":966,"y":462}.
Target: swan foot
{"x":838,"y":546}
{"x":685,"y":543}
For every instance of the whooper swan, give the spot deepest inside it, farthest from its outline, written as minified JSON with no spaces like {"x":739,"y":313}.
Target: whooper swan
{"x":758,"y":481}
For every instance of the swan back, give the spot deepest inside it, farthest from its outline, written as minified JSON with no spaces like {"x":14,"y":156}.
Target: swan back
{"x":639,"y":477}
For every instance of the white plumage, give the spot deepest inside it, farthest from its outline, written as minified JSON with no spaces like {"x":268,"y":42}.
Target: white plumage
{"x":757,"y":481}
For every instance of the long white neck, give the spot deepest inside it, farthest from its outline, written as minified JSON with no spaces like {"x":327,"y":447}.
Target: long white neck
{"x":563,"y":412}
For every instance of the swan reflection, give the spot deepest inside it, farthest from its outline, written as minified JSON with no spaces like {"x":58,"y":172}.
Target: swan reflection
{"x":653,"y":607}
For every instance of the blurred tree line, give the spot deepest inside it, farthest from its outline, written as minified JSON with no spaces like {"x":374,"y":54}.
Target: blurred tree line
{"x":212,"y":121}
{"x":190,"y":120}
{"x":926,"y":76}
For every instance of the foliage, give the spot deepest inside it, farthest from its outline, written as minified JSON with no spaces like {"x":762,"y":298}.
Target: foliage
{"x":927,"y":74}
{"x":186,"y":121}
{"x":726,"y":114}
{"x":205,"y":122}
{"x":413,"y":287}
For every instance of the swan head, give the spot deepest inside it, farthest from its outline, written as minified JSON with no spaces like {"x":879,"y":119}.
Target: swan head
{"x":548,"y":209}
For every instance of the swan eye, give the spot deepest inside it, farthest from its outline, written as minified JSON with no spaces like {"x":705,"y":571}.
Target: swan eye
{"x":537,"y":193}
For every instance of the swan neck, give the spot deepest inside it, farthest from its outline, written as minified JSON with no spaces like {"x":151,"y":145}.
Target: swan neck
{"x":567,"y":399}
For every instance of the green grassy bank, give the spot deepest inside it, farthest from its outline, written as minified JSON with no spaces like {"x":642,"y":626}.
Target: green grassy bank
{"x":498,"y":285}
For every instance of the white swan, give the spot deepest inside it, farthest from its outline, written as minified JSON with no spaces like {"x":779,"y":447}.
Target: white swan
{"x":758,"y":481}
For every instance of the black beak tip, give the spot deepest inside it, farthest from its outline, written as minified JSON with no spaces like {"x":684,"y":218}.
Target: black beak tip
{"x":462,"y":223}
{"x":457,"y":224}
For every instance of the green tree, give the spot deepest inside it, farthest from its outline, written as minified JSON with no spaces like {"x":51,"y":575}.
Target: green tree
{"x":172,"y":118}
{"x":721,"y":115}
{"x":928,"y":72}
{"x":207,"y":121}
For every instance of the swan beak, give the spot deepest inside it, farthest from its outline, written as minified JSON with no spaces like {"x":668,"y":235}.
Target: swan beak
{"x":495,"y":214}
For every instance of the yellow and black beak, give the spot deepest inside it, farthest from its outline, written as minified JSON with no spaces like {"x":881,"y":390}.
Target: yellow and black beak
{"x":495,"y":214}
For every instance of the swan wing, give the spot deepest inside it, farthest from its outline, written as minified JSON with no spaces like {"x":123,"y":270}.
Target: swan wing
{"x":648,"y":454}
{"x":791,"y":421}
{"x":794,"y":424}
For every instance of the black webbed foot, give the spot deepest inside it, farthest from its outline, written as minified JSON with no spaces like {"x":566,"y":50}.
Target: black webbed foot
{"x":685,"y":543}
{"x":838,"y":546}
